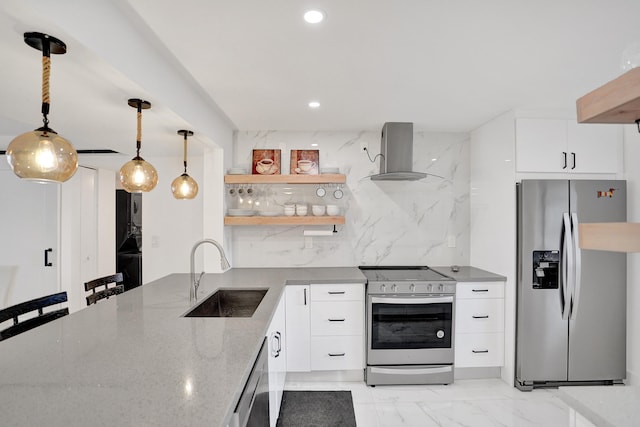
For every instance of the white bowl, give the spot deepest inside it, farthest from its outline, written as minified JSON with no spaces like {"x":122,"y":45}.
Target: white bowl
{"x":318,"y":210}
{"x":333,"y":210}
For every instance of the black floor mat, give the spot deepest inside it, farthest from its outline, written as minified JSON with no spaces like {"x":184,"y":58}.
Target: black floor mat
{"x":317,"y":409}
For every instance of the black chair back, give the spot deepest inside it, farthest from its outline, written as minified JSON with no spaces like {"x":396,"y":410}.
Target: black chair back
{"x":14,"y":311}
{"x":107,"y":291}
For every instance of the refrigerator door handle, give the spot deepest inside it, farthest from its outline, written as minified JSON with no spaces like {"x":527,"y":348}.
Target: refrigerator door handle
{"x":567,"y":265}
{"x":578,"y":266}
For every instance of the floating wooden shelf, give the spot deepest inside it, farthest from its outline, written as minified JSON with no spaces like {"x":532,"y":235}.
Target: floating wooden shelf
{"x":283,"y":220}
{"x":610,"y":236}
{"x":616,"y":102}
{"x":286,"y":179}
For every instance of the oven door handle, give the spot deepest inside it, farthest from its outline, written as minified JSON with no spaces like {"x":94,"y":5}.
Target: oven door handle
{"x":415,"y":371}
{"x":414,"y":300}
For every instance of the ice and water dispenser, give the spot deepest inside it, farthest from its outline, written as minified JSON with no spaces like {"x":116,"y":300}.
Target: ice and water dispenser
{"x":545,"y":269}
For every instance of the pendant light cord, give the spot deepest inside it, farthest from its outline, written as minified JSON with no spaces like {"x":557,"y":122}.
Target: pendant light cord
{"x":185,"y":153}
{"x":46,"y":72}
{"x":139,"y":135}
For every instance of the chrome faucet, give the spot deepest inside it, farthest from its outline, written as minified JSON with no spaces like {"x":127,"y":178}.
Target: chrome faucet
{"x":195,"y":283}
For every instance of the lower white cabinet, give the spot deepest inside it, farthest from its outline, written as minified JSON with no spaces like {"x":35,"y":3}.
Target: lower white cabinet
{"x":325,"y":327}
{"x":298,"y":324}
{"x":479,"y":324}
{"x":277,"y":363}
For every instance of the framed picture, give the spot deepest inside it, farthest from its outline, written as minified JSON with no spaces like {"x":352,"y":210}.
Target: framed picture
{"x":305,"y":162}
{"x":265,"y":162}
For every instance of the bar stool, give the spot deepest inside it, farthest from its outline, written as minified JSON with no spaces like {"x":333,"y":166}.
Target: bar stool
{"x":14,"y":311}
{"x":107,"y":291}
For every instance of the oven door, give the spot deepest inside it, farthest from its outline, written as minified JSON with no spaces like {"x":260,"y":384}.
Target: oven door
{"x":405,"y":330}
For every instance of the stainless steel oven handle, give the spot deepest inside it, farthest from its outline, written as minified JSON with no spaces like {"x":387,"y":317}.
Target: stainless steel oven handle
{"x":417,"y":371}
{"x":425,"y":300}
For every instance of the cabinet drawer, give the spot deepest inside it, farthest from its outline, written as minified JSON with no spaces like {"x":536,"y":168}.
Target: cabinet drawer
{"x":479,"y":315}
{"x":479,"y":350}
{"x":338,"y":292}
{"x":337,"y":353}
{"x":337,"y":318}
{"x":466,"y":290}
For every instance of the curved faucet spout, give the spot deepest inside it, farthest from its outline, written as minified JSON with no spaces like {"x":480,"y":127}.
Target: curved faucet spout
{"x":195,"y":283}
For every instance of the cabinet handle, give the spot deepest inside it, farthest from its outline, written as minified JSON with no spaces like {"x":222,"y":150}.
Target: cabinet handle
{"x":336,"y":320}
{"x":480,"y":317}
{"x":479,"y":290}
{"x":47,"y":263}
{"x":305,"y":296}
{"x":277,"y":336}
{"x":564,"y":160}
{"x":336,"y":292}
{"x":573,"y":158}
{"x":336,"y":354}
{"x":480,"y":351}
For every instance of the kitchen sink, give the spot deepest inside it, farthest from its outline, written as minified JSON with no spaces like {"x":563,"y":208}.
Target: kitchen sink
{"x":229,"y":303}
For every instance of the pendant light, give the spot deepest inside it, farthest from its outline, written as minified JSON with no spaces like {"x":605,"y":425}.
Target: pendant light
{"x":137,"y":175}
{"x":42,"y":155}
{"x":184,"y":187}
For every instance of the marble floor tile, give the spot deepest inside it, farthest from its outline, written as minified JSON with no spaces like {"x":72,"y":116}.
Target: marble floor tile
{"x":466,"y":403}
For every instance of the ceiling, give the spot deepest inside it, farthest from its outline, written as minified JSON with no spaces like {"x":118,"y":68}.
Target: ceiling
{"x":219,"y":66}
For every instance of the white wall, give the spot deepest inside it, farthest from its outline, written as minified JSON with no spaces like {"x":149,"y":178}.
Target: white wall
{"x":170,"y":226}
{"x":632,"y":175}
{"x":388,"y":223}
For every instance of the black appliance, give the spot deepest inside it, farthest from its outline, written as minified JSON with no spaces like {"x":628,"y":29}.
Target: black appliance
{"x":129,"y":238}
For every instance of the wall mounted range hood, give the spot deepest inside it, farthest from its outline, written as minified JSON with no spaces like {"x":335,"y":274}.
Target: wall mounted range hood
{"x":396,"y":152}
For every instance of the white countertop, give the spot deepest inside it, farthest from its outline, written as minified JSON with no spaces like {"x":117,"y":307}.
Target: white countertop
{"x":468,"y":273}
{"x":134,"y":361}
{"x":608,"y":406}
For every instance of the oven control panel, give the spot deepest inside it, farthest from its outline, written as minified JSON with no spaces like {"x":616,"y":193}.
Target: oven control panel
{"x":411,"y":288}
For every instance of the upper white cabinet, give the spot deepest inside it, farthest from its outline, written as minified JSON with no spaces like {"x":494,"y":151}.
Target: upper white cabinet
{"x":564,"y":146}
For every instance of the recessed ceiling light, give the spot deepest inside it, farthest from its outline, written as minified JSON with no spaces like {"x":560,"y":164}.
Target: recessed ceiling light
{"x":314,"y":16}
{"x":314,"y":104}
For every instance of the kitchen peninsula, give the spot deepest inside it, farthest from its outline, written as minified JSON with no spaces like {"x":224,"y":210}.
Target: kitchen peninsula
{"x":134,"y":360}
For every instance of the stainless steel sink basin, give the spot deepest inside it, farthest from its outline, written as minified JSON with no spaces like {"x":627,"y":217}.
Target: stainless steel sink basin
{"x":229,"y":303}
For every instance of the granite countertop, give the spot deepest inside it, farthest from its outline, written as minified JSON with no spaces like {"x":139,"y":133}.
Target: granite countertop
{"x":609,"y":406}
{"x":469,"y":274}
{"x":133,"y":360}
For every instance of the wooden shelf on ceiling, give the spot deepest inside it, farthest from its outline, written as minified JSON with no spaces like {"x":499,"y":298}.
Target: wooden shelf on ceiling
{"x":284,"y":220}
{"x":286,"y":179}
{"x":610,"y":236}
{"x":616,"y":102}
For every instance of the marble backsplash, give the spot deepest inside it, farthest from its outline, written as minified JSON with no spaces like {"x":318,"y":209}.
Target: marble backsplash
{"x":422,"y":222}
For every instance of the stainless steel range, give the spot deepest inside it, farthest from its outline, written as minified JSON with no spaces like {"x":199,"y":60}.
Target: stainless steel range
{"x":410,"y":325}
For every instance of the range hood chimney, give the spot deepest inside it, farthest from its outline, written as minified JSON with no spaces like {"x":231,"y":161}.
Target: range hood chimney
{"x":396,"y":149}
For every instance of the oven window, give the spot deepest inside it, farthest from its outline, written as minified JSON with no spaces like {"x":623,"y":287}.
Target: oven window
{"x":411,"y":326}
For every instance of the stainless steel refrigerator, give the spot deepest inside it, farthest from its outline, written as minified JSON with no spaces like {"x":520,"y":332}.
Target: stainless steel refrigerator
{"x":571,"y":303}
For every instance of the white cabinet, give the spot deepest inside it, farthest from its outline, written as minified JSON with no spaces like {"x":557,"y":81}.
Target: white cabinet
{"x":276,"y":343}
{"x":564,"y":146}
{"x":325,"y":327}
{"x":337,"y":327}
{"x":479,"y":324}
{"x":298,"y":325}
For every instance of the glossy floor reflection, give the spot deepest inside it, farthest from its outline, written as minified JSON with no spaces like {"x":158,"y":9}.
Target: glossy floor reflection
{"x":476,"y":403}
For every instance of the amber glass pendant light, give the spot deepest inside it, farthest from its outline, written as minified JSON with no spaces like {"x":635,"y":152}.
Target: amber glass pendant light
{"x":138,"y":175}
{"x":42,"y":155}
{"x":184,"y":187}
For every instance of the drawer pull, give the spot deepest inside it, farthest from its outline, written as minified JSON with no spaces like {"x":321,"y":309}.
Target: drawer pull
{"x":336,"y":354}
{"x":336,"y":320}
{"x":480,"y":317}
{"x":479,"y":290}
{"x":480,"y":351}
{"x":336,"y":292}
